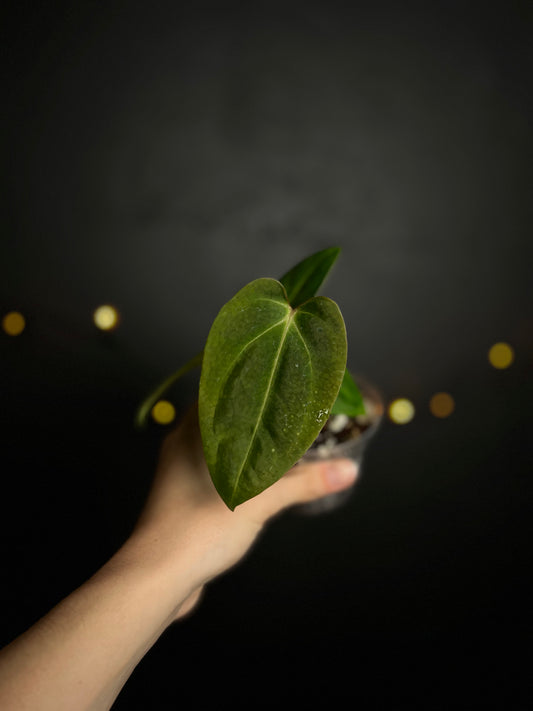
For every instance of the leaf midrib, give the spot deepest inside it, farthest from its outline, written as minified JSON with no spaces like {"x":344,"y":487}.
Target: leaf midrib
{"x":268,"y":389}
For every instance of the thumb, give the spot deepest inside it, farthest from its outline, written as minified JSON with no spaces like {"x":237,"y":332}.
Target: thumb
{"x":309,"y":481}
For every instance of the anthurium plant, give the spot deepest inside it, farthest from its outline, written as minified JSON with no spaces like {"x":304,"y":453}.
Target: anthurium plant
{"x":272,"y":371}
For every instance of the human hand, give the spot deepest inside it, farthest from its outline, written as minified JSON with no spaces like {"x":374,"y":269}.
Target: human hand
{"x":80,"y":654}
{"x":189,"y":524}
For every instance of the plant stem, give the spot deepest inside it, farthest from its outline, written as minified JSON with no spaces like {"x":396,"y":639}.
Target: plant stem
{"x":145,"y":407}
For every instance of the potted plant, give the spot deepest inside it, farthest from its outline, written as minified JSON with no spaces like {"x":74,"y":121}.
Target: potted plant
{"x":273,"y":377}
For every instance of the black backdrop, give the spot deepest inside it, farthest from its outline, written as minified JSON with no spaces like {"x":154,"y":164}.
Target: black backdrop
{"x":158,"y":156}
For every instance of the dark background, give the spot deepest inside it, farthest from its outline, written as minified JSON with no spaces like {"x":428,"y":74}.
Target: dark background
{"x":158,"y":156}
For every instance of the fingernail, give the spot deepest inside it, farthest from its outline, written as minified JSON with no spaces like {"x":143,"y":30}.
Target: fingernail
{"x":340,"y":473}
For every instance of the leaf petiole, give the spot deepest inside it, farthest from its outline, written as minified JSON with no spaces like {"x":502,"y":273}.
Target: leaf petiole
{"x":144,"y":409}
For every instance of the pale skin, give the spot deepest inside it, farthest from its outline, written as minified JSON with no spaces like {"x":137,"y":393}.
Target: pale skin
{"x":82,"y":652}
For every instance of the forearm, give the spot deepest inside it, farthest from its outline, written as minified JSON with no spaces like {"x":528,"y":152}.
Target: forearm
{"x":80,"y":654}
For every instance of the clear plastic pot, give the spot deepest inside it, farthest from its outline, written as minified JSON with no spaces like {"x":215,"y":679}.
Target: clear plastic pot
{"x":352,"y":448}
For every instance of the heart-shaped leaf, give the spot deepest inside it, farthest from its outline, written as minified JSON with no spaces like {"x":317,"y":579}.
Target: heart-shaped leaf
{"x":270,"y":376}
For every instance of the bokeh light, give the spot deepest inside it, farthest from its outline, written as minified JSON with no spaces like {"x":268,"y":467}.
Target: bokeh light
{"x":501,"y":355}
{"x":163,"y":412}
{"x":442,"y":405}
{"x":13,"y":323}
{"x":106,"y":317}
{"x":401,"y":411}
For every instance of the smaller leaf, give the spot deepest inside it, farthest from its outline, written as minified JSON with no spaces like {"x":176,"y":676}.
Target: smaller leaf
{"x":349,"y":400}
{"x":305,"y":279}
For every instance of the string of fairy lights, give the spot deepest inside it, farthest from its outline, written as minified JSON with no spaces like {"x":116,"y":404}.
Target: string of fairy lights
{"x":401,"y":410}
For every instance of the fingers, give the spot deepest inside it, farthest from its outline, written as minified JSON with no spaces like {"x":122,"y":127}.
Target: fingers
{"x":306,"y":482}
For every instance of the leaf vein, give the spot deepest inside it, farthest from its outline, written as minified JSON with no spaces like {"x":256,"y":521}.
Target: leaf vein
{"x":305,"y":344}
{"x":253,"y":340}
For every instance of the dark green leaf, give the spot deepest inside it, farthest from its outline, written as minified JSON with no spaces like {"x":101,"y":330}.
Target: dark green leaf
{"x":304,"y":280}
{"x":270,"y":376}
{"x":349,"y":400}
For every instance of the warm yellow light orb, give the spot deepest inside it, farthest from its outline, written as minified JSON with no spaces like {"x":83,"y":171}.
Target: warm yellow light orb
{"x":13,"y":323}
{"x":163,"y":412}
{"x":106,"y":317}
{"x":501,"y":355}
{"x":401,"y":411}
{"x":442,"y":405}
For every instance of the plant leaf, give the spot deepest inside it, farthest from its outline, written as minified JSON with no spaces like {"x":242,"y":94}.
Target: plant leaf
{"x":349,"y":400}
{"x":304,"y":280}
{"x":269,"y":378}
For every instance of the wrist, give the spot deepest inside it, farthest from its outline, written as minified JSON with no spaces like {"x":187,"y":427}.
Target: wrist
{"x":148,"y":563}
